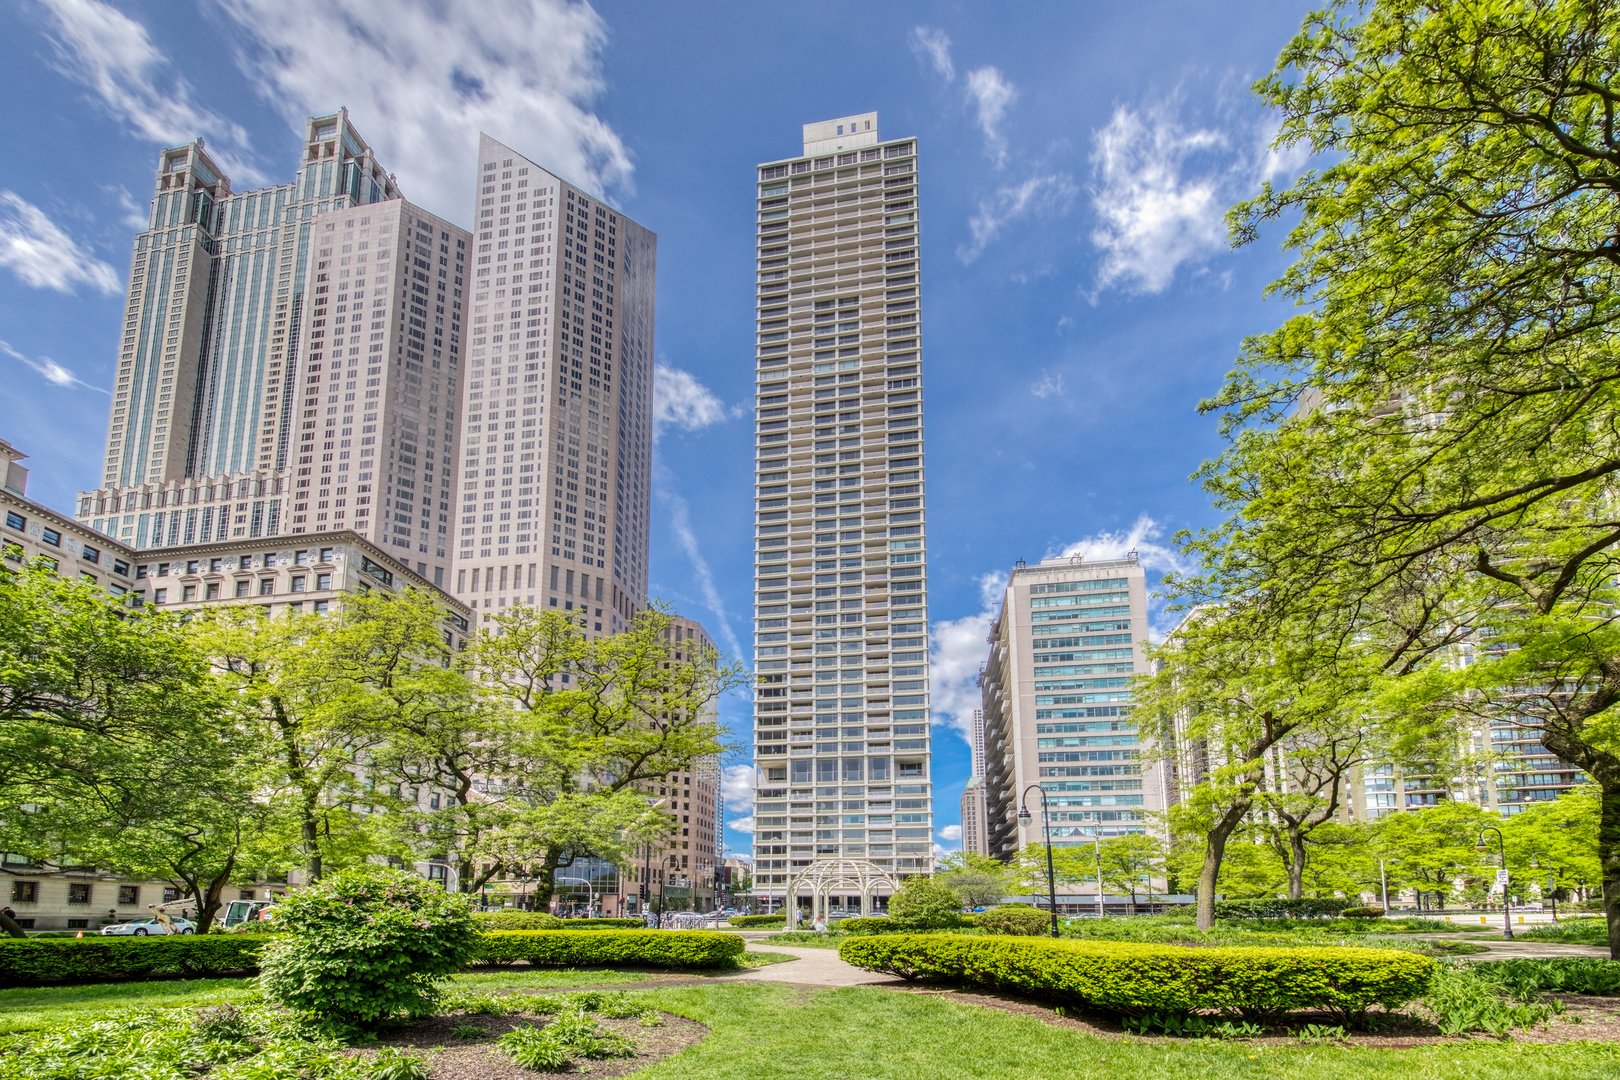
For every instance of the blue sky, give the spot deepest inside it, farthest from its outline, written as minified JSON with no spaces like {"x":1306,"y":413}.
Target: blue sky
{"x":1079,"y":297}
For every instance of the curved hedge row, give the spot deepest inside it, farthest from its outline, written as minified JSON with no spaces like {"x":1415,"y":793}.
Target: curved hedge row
{"x":578,"y":948}
{"x":540,"y":920}
{"x":767,"y":921}
{"x":99,"y":959}
{"x":1135,"y":980}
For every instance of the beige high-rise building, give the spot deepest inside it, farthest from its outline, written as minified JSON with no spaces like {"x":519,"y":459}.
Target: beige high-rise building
{"x":974,"y":810}
{"x":557,"y":455}
{"x":842,"y":706}
{"x":291,"y":360}
{"x":1057,"y":706}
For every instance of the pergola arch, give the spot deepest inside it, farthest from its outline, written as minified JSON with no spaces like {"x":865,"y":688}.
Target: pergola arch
{"x":827,"y":876}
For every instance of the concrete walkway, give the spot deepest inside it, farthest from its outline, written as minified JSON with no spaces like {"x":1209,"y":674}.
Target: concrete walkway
{"x":1540,"y":950}
{"x":813,"y":967}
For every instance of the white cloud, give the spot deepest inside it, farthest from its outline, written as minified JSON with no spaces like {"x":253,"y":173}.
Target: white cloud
{"x":991,"y":95}
{"x":940,"y":851}
{"x":680,"y":520}
{"x":1047,"y":194}
{"x":1049,"y":386}
{"x":957,"y":649}
{"x":112,"y":55}
{"x":951,"y":832}
{"x":33,"y":248}
{"x":681,"y":401}
{"x":135,"y":216}
{"x":742,"y":824}
{"x":1162,"y":186}
{"x":933,"y":48}
{"x":737,"y":786}
{"x":421,"y":79}
{"x":49,"y":368}
{"x":1142,"y":537}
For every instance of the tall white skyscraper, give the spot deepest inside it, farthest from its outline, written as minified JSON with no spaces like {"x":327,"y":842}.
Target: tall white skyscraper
{"x":290,"y":361}
{"x":842,"y":713}
{"x":557,"y":454}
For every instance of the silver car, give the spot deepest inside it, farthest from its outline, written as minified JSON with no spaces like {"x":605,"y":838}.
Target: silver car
{"x":143,"y":927}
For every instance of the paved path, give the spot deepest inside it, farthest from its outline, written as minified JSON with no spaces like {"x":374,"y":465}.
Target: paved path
{"x":1518,"y":947}
{"x":815,"y":967}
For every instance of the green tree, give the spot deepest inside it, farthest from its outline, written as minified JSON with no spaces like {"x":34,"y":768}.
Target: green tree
{"x":598,"y":723}
{"x":1130,"y":863}
{"x":1434,"y":850}
{"x":977,"y":880}
{"x":111,"y":752}
{"x":1456,"y":260}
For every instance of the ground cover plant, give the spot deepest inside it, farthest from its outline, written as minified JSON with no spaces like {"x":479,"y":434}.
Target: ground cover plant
{"x":1571,"y":931}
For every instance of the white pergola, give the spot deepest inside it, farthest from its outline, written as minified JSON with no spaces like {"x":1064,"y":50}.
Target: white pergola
{"x":827,"y":876}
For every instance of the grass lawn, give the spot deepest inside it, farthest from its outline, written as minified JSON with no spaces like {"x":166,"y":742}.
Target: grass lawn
{"x":772,"y":1030}
{"x":767,"y":1031}
{"x":30,"y":1007}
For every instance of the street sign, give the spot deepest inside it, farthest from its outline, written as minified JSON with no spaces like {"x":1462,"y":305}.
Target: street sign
{"x":1501,"y":877}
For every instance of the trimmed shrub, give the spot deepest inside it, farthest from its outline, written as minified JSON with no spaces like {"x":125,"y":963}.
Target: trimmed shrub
{"x":1362,"y":913}
{"x":597,"y":924}
{"x":516,"y":920}
{"x":1140,"y":980}
{"x":922,"y":903}
{"x":1015,"y":919}
{"x":88,"y":960}
{"x":582,"y":948}
{"x":1276,"y":907}
{"x":366,"y":944}
{"x":768,"y":922}
{"x":875,"y":924}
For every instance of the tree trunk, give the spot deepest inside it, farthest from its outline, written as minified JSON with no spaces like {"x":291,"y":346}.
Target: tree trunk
{"x":1569,"y":743}
{"x":1214,"y":852}
{"x":1296,"y":863}
{"x":11,"y":926}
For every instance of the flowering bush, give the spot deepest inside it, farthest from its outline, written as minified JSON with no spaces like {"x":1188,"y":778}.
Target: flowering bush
{"x":366,"y":944}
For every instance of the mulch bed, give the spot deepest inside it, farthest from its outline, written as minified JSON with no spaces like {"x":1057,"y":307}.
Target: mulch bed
{"x":450,"y":1058}
{"x":1585,"y":1018}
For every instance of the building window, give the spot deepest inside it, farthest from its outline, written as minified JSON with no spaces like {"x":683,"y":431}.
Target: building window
{"x":121,"y":567}
{"x":326,"y":555}
{"x":244,"y":894}
{"x":242,"y":588}
{"x":16,"y":521}
{"x":78,"y":892}
{"x":129,"y":894}
{"x":25,"y":892}
{"x":320,"y":607}
{"x":323,"y":581}
{"x":170,"y":894}
{"x":51,"y":537}
{"x":267,"y":586}
{"x":160,"y":596}
{"x":300,"y":558}
{"x":298,"y":584}
{"x":91,"y":555}
{"x":78,"y":924}
{"x":188,"y":592}
{"x":213,"y":591}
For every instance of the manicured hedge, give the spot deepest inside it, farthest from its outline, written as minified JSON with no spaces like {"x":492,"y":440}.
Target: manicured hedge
{"x":769,"y":922}
{"x":601,"y":924}
{"x":516,"y":920}
{"x":1015,"y":919}
{"x":578,"y":948}
{"x":1274,"y":907}
{"x":874,"y":924}
{"x":99,"y":959}
{"x":1136,"y":980}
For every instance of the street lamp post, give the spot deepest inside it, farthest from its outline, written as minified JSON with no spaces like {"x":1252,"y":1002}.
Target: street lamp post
{"x":591,"y":911}
{"x":1046,"y":826}
{"x":1504,"y":877}
{"x":1096,"y":845}
{"x":452,"y":879}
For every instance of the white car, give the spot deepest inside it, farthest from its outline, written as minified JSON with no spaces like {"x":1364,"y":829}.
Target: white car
{"x":143,"y":927}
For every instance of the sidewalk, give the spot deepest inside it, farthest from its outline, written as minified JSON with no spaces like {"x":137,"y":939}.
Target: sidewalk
{"x":814,"y":967}
{"x":1539,"y":950}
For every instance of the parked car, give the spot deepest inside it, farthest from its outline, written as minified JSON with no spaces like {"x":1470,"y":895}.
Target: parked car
{"x":143,"y":927}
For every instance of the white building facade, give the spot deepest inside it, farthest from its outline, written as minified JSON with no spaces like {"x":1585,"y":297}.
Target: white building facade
{"x":842,"y":743}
